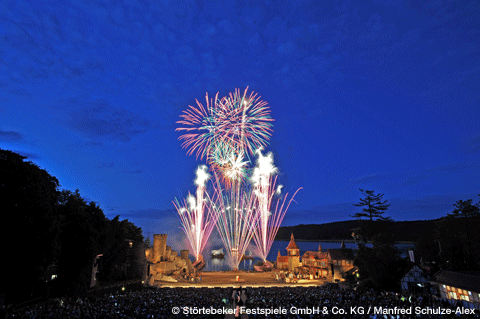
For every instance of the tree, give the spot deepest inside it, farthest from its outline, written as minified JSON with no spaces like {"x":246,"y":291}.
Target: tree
{"x":119,"y":261}
{"x":468,"y":213}
{"x":459,"y":238}
{"x":455,"y":243}
{"x":378,"y":264}
{"x":82,"y":237}
{"x":373,"y":206}
{"x":29,"y":227}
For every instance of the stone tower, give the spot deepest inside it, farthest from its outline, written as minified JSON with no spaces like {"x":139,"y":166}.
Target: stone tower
{"x":159,"y":247}
{"x":293,"y":254}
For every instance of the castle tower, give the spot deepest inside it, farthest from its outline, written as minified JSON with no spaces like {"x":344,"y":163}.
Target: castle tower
{"x":168,"y":251}
{"x":159,"y":247}
{"x":293,"y":254}
{"x":320,"y":247}
{"x":292,"y":247}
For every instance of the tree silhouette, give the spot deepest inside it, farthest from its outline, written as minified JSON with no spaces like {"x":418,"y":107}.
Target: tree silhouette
{"x":458,"y":237}
{"x":29,"y":225}
{"x":42,"y":227}
{"x":373,"y":206}
{"x":81,"y":238}
{"x":373,"y":221}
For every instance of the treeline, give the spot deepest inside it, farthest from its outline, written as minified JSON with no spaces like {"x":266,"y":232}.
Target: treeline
{"x":400,"y":230}
{"x":48,"y":231}
{"x":455,"y":242}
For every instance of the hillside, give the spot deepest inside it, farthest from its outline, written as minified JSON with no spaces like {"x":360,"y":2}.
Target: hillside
{"x":402,"y":230}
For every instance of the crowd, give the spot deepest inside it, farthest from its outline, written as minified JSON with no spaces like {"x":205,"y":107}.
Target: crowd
{"x":159,"y":303}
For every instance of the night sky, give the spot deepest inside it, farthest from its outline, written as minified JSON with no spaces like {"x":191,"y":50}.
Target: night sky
{"x":380,"y":95}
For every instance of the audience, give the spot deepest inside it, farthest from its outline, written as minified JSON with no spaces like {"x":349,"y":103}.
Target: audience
{"x":158,"y":303}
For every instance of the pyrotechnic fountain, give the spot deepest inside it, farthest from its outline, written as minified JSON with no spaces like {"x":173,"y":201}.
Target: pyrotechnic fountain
{"x":197,"y":223}
{"x":227,"y":132}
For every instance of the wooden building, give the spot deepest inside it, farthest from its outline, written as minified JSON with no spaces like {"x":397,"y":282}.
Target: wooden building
{"x":316,"y":262}
{"x":457,"y":287}
{"x":413,"y":278}
{"x":282,"y":262}
{"x":332,"y":264}
{"x":340,"y":262}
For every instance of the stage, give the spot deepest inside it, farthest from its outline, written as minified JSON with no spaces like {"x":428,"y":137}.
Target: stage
{"x":225,"y":279}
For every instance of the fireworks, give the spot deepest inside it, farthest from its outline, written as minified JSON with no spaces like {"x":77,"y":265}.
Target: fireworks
{"x":201,"y":125}
{"x":228,"y":132}
{"x":197,"y":223}
{"x":226,"y":129}
{"x":244,"y":122}
{"x":264,"y":181}
{"x":237,"y":218}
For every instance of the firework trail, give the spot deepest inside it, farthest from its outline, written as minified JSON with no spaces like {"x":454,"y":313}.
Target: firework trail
{"x":264,"y":180}
{"x":265,"y":233}
{"x":197,"y":222}
{"x":237,"y":218}
{"x":262,"y":189}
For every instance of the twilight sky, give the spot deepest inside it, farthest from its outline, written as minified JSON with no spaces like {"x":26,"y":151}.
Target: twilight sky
{"x":380,"y":95}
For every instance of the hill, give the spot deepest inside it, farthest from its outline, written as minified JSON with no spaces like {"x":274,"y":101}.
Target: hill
{"x":402,"y":230}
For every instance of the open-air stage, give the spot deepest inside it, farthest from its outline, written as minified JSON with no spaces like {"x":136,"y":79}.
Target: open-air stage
{"x":225,"y":279}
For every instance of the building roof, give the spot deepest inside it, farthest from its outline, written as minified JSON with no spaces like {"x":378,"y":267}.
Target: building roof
{"x":315,"y":254}
{"x":282,"y":259}
{"x":341,"y":254}
{"x":405,"y":265}
{"x":292,"y":244}
{"x":463,"y":280}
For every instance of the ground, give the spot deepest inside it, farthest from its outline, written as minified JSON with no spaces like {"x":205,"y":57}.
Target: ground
{"x":245,"y":279}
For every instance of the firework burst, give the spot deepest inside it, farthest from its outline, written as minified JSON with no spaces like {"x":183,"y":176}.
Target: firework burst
{"x":232,"y":127}
{"x":201,"y":127}
{"x":244,"y":122}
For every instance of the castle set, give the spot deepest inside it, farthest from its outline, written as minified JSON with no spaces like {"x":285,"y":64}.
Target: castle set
{"x":164,"y":264}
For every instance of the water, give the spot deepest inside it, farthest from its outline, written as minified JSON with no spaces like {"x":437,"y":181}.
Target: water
{"x":215,"y":264}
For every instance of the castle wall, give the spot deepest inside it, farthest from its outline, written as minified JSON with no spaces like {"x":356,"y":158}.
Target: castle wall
{"x":168,"y":251}
{"x":184,"y":253}
{"x":173,"y":255}
{"x":165,"y":262}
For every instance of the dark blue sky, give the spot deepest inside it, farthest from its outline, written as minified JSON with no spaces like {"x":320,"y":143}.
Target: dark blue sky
{"x":381,"y":95}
